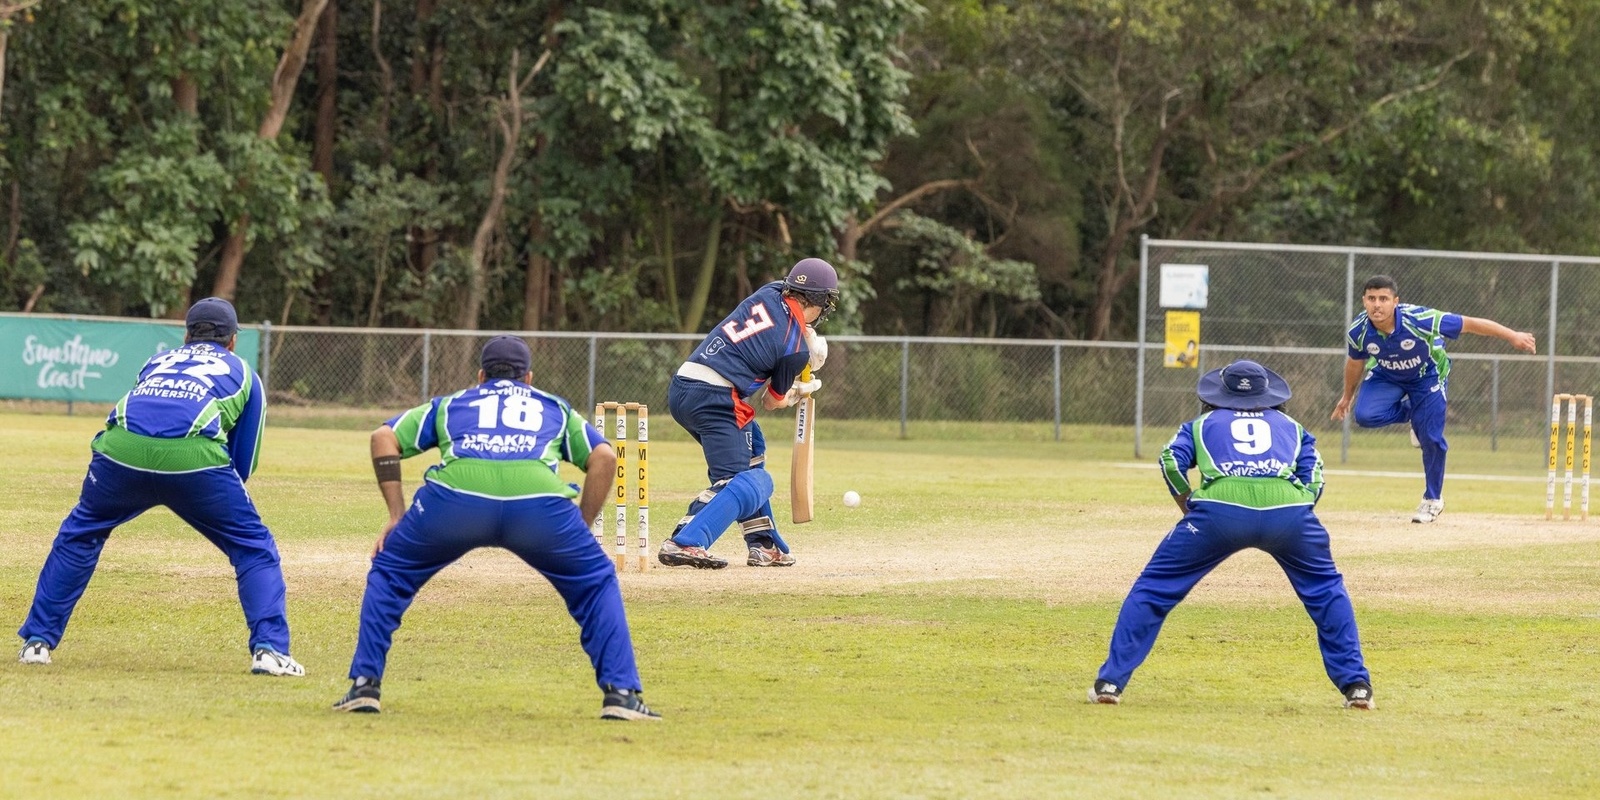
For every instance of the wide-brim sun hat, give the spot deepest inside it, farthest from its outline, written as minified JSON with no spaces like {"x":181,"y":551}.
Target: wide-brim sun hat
{"x":1243,"y":385}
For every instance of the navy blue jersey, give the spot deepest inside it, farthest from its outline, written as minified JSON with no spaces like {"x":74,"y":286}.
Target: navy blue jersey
{"x":1257,"y":459}
{"x":761,"y":342}
{"x":195,"y":407}
{"x":1413,"y":352}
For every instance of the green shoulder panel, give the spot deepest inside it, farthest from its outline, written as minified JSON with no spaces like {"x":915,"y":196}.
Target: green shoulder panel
{"x":408,"y":427}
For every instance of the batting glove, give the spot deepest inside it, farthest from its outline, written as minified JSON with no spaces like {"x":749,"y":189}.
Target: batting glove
{"x":807,"y":388}
{"x":818,"y":347}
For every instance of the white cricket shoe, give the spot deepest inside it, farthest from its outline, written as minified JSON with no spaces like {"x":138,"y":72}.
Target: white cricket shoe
{"x":35,"y":652}
{"x":1428,"y":511}
{"x":268,"y":661}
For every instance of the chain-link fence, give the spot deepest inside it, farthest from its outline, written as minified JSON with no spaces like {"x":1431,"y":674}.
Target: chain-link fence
{"x":899,"y":379}
{"x":1283,"y":305}
{"x":1289,"y":307}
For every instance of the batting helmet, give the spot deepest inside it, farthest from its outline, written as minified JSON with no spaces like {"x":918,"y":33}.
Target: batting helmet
{"x":816,"y":282}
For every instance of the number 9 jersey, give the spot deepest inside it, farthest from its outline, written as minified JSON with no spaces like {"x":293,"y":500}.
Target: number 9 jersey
{"x":1254,"y":459}
{"x":502,"y":439}
{"x":194,"y":407}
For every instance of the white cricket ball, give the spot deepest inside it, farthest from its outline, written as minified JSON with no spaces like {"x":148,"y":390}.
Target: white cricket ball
{"x":851,"y":499}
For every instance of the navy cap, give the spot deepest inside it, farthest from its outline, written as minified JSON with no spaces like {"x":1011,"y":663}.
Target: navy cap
{"x":507,"y":351}
{"x":1243,"y":385}
{"x":212,"y":316}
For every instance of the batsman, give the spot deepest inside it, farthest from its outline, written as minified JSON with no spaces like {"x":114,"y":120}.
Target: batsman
{"x":761,"y":348}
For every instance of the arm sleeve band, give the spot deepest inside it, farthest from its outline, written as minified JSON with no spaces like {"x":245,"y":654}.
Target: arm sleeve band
{"x":387,"y":468}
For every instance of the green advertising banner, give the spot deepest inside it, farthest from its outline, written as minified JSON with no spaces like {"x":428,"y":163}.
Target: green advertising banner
{"x":90,"y":360}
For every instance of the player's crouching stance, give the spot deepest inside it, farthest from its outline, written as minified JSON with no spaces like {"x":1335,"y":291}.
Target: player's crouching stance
{"x":500,"y":445}
{"x":761,"y":347}
{"x":1260,"y":477}
{"x":185,"y":437}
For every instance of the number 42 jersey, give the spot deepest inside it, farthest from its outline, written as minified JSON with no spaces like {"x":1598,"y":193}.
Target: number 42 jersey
{"x":194,"y":407}
{"x":1255,"y":459}
{"x":502,"y":439}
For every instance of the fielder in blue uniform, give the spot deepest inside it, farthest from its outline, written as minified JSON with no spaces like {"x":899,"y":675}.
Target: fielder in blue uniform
{"x":1400,"y":347}
{"x":497,"y":485}
{"x":1260,"y":477}
{"x":186,"y":437}
{"x":761,"y":348}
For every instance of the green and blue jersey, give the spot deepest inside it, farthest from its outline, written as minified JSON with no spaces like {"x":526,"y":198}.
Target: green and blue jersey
{"x":1254,"y":459}
{"x":195,"y":407}
{"x":502,"y":439}
{"x":1413,"y":352}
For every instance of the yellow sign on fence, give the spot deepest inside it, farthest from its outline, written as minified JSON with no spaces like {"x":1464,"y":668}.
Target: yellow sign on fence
{"x":1183,"y":339}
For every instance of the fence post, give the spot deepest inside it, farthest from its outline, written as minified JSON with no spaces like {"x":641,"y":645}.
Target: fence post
{"x":427,"y":358}
{"x":1349,"y":315}
{"x":1058,"y":391}
{"x":1494,"y":405}
{"x":1550,"y":341}
{"x":1138,"y":387}
{"x":265,"y":358}
{"x":594,"y":356}
{"x":905,"y":382}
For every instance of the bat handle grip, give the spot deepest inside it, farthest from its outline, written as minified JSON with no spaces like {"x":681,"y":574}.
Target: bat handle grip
{"x":805,"y":373}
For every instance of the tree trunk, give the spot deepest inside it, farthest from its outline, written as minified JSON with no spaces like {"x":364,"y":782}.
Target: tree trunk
{"x":669,"y":262}
{"x":186,"y":95}
{"x":741,"y":267}
{"x":427,"y":80}
{"x":283,"y":82}
{"x":509,"y":118}
{"x":536,"y":293}
{"x":708,"y":272}
{"x":848,"y":238}
{"x":5,"y":42}
{"x":327,"y":93}
{"x":385,"y":86}
{"x":7,"y":11}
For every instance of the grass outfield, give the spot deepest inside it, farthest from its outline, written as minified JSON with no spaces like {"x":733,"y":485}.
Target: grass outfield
{"x":935,"y":642}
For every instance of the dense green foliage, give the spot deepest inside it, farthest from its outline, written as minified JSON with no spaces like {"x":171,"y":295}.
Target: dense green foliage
{"x":976,"y":167}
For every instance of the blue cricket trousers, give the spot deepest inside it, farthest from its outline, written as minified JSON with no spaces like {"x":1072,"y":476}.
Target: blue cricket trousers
{"x":708,"y":413}
{"x":1422,"y":403}
{"x":214,"y":501}
{"x":1203,"y":539}
{"x":548,"y":533}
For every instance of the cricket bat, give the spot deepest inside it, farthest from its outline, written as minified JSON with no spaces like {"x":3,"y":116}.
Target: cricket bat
{"x":805,"y":440}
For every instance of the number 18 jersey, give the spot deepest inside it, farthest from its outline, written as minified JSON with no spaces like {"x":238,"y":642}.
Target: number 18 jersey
{"x":502,"y":439}
{"x":1256,"y":459}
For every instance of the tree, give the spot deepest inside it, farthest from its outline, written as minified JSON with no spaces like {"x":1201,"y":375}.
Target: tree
{"x":282,"y":86}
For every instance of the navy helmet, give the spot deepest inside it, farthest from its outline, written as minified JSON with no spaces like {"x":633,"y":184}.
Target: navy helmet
{"x":816,"y":282}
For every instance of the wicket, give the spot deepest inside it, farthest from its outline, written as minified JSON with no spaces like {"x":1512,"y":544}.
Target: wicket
{"x":641,"y":482}
{"x":1571,"y":402}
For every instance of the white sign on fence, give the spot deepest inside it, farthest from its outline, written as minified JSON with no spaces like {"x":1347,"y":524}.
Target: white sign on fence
{"x":1185,"y":285}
